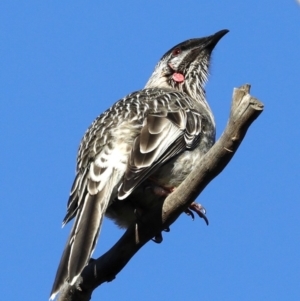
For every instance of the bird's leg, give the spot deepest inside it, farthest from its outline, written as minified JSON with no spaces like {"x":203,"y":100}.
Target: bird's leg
{"x":165,"y":191}
{"x":138,"y":218}
{"x":157,"y":238}
{"x":137,"y":239}
{"x":159,"y":189}
{"x":162,"y":191}
{"x":199,"y":209}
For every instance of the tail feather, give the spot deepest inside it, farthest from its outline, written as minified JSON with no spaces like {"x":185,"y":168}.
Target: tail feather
{"x":86,"y":233}
{"x":83,"y":237}
{"x":62,"y":271}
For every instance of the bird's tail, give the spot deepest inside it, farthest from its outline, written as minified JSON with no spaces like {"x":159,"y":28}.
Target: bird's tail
{"x":83,"y":237}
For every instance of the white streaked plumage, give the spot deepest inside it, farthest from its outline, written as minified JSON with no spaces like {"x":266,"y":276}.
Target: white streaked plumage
{"x":150,"y":138}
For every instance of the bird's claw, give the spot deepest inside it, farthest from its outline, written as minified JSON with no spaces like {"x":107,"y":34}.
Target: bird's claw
{"x":157,"y":238}
{"x":199,"y":209}
{"x":189,"y":213}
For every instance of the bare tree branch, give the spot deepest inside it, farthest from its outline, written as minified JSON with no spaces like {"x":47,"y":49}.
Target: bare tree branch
{"x":244,"y":110}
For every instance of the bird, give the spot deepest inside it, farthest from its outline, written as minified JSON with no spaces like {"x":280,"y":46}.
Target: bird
{"x":139,"y":150}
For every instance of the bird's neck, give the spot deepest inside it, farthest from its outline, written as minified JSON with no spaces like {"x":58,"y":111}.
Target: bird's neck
{"x":192,"y":85}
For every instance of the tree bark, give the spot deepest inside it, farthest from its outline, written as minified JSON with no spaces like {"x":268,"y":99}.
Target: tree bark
{"x":244,"y":110}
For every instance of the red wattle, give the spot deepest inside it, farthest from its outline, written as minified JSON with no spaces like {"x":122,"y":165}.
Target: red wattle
{"x":178,"y":77}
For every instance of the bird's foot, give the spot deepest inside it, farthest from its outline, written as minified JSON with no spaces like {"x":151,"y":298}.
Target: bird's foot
{"x":199,"y":209}
{"x":157,"y":238}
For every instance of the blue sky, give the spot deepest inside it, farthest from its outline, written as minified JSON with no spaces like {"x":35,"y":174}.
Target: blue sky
{"x":65,"y":62}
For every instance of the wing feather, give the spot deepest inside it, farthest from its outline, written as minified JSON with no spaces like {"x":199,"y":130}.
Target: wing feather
{"x":162,"y":137}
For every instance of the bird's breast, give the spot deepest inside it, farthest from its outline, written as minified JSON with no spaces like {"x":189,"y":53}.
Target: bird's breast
{"x":174,"y":172}
{"x":156,"y":188}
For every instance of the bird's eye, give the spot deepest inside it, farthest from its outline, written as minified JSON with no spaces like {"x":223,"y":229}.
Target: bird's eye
{"x":176,"y":51}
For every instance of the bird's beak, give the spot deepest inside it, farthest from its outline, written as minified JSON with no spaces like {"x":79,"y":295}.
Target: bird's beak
{"x":213,"y":40}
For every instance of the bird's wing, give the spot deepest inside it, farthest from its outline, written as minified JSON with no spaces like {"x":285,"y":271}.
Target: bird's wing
{"x":164,"y":134}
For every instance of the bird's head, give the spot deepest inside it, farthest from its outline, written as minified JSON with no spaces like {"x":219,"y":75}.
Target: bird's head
{"x":185,"y":66}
